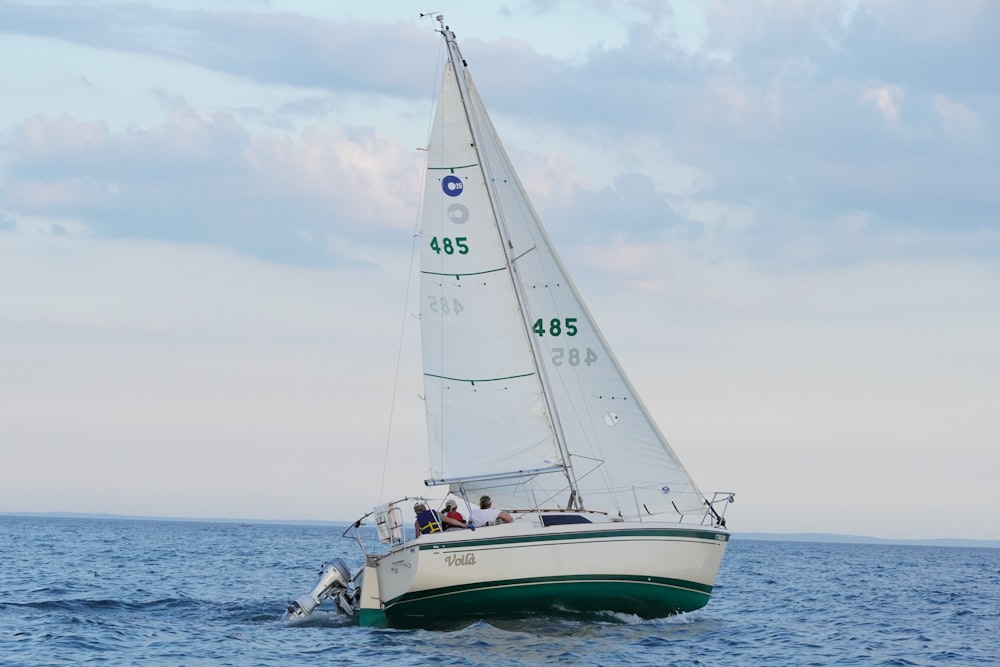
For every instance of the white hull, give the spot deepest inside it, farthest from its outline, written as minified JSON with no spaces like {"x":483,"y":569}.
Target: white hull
{"x":648,"y":569}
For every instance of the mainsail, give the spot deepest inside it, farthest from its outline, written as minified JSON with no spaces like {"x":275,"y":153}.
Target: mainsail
{"x":525,"y":401}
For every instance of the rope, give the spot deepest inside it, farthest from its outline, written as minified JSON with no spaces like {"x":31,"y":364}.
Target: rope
{"x":414,"y":249}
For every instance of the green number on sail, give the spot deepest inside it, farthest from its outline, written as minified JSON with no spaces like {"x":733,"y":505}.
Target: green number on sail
{"x":447,"y":246}
{"x":556,"y":326}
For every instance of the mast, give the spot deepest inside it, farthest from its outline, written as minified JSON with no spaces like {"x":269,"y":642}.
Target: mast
{"x":455,"y":56}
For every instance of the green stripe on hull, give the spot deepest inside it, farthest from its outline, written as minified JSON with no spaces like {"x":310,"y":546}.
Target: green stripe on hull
{"x":648,"y":597}
{"x":372,"y":618}
{"x":477,"y":541}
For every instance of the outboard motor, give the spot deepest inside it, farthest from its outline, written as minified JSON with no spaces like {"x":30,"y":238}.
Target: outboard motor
{"x":334,"y":580}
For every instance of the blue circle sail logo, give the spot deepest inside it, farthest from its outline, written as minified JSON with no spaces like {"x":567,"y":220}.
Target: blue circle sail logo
{"x":452,"y":185}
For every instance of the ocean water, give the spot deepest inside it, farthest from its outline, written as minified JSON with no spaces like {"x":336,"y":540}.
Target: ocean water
{"x":136,"y":592}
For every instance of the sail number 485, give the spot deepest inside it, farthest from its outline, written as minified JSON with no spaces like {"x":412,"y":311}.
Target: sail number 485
{"x":573,"y":356}
{"x":449,"y":247}
{"x":556,"y":327}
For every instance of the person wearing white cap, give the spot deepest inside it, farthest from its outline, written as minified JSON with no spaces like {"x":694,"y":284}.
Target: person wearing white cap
{"x":451,"y":512}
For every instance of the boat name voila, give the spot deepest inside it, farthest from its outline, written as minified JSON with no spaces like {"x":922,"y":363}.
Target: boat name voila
{"x":600,"y":513}
{"x":459,"y":560}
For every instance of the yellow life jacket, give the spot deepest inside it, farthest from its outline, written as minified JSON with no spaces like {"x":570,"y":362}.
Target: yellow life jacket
{"x":429,"y":521}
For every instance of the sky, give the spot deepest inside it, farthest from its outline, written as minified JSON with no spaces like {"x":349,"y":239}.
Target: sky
{"x":784,"y":215}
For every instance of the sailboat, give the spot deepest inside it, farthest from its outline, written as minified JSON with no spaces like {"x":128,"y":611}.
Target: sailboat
{"x":525,"y":404}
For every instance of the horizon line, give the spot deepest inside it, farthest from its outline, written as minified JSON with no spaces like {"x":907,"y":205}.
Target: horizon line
{"x":797,"y":536}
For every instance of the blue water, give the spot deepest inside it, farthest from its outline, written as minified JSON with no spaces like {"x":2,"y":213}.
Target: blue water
{"x":124,"y":592}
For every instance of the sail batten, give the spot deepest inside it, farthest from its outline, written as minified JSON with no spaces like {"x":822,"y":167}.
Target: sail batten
{"x":461,"y":275}
{"x":452,"y":169}
{"x":475,"y":380}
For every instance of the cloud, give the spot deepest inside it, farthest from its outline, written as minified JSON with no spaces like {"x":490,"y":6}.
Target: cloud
{"x":958,"y":119}
{"x":204,"y":177}
{"x":783,"y":125}
{"x":288,"y":48}
{"x":812,"y":116}
{"x":888,"y":100}
{"x":941,"y":51}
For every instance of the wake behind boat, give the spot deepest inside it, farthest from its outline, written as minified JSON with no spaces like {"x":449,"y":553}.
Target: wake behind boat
{"x":525,"y":404}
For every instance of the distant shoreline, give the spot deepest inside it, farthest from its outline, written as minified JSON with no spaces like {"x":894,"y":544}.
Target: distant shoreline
{"x":764,"y":537}
{"x":864,"y":539}
{"x":187,"y":519}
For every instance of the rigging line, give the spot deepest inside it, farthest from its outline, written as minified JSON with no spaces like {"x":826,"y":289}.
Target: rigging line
{"x":399,"y":358}
{"x":514,"y":260}
{"x":414,"y":248}
{"x":459,"y":275}
{"x":452,"y":169}
{"x":475,"y":380}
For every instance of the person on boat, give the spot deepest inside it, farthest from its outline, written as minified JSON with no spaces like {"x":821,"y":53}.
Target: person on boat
{"x":428,"y":521}
{"x":486,"y":515}
{"x":451,"y":512}
{"x":431,"y":521}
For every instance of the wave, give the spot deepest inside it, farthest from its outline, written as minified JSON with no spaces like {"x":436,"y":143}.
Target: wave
{"x":85,"y":605}
{"x":321,"y":619}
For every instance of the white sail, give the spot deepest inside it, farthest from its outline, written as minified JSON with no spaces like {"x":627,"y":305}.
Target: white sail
{"x":513,"y":362}
{"x":486,"y":411}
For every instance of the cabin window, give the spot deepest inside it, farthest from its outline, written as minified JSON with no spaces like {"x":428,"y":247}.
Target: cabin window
{"x":563,"y":519}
